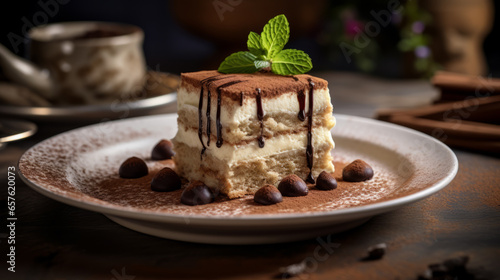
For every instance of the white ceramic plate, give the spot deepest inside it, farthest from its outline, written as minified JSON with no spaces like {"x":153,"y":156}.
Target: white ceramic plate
{"x":62,"y":166}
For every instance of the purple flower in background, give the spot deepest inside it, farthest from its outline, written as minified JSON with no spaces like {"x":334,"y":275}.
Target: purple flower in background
{"x":422,"y":51}
{"x":352,"y":27}
{"x":418,"y":27}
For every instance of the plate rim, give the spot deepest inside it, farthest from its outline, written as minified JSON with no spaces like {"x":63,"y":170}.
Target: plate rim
{"x":77,"y":111}
{"x":347,"y":213}
{"x":33,"y":128}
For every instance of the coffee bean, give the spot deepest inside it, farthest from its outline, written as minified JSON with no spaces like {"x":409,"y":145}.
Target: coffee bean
{"x":376,"y":252}
{"x":454,"y":268}
{"x":326,"y":181}
{"x":292,"y":270}
{"x":456,"y":264}
{"x":292,"y":185}
{"x":197,"y":193}
{"x":163,"y":150}
{"x":166,"y":180}
{"x":268,"y":195}
{"x":357,"y":171}
{"x":438,"y":271}
{"x":133,"y":167}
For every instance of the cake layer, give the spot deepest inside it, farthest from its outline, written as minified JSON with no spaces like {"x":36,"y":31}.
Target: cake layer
{"x":249,"y":130}
{"x":247,"y":176}
{"x":235,"y":112}
{"x":251,"y":150}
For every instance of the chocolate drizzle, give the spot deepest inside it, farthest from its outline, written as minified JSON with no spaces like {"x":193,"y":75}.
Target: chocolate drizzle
{"x":260,"y":117}
{"x":206,"y":82}
{"x":301,"y":97}
{"x":209,"y":98}
{"x":310,"y":150}
{"x":200,"y":122}
{"x":219,"y":126}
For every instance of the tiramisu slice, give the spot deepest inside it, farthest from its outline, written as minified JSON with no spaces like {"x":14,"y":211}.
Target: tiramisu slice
{"x":239,"y":132}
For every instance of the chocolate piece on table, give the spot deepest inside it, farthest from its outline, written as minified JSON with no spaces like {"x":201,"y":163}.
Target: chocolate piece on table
{"x":357,"y":171}
{"x":454,"y":268}
{"x":292,"y":185}
{"x":166,"y":180}
{"x":132,"y":168}
{"x":326,"y":181}
{"x":196,"y":193}
{"x":292,"y":270}
{"x":438,"y":271}
{"x":376,"y":252}
{"x":456,"y":264}
{"x":268,"y":195}
{"x":163,"y":150}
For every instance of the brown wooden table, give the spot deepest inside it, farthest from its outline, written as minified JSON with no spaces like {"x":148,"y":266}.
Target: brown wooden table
{"x":57,"y":241}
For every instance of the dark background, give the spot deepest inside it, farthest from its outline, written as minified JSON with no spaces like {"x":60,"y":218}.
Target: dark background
{"x":170,"y":47}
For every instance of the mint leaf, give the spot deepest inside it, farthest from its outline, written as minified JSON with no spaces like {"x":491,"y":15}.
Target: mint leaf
{"x":260,"y":64}
{"x":240,"y":62}
{"x":275,"y":35}
{"x":291,"y":62}
{"x":254,"y":44}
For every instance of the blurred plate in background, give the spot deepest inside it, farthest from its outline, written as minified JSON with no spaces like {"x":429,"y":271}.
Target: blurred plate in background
{"x":157,"y":99}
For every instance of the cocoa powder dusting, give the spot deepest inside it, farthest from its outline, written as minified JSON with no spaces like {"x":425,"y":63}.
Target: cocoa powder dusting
{"x":272,"y":85}
{"x":136,"y":193}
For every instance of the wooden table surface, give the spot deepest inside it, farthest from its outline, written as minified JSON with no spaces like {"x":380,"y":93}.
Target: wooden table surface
{"x":57,"y":241}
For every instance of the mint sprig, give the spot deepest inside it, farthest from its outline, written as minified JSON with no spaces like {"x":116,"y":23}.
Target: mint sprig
{"x":266,"y":51}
